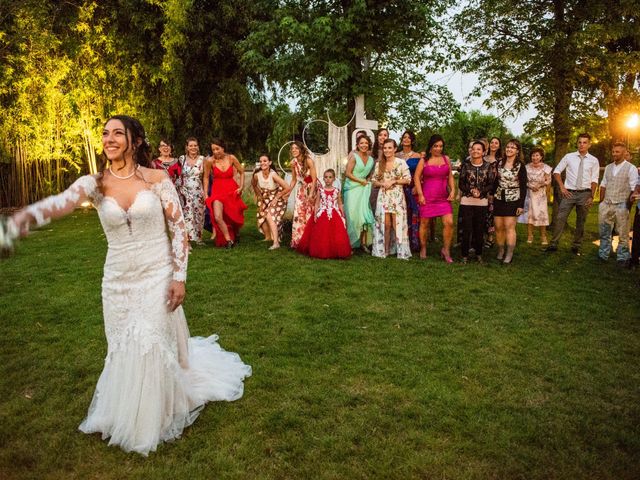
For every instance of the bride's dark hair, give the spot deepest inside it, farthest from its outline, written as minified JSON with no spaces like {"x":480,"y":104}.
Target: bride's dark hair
{"x":134,"y":130}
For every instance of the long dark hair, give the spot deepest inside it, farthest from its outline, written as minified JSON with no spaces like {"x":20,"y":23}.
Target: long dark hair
{"x":376,"y":145}
{"x":271,"y":167}
{"x":519,"y":160}
{"x":412,"y":136}
{"x":499,"y":151}
{"x":304,"y":153}
{"x":134,"y":131}
{"x":432,"y":141}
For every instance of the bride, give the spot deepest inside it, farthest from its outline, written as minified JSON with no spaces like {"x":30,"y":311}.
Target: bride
{"x":155,"y":379}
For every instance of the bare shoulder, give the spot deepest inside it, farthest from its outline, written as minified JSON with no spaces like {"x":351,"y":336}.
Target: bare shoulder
{"x":153,"y":175}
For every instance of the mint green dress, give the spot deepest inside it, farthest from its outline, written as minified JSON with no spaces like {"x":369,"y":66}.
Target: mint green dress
{"x":356,"y":202}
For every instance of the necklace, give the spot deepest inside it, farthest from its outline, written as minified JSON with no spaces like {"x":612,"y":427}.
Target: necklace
{"x":125,"y":177}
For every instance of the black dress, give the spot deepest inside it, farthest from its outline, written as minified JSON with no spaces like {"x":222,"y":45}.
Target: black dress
{"x":511,"y":190}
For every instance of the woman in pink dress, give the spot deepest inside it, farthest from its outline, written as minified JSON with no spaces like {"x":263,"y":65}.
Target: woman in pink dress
{"x":437,"y":191}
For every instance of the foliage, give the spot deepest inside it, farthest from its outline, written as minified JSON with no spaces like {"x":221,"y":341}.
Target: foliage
{"x":365,"y":368}
{"x":549,"y":54}
{"x":327,"y":53}
{"x":67,"y":66}
{"x":464,"y":127}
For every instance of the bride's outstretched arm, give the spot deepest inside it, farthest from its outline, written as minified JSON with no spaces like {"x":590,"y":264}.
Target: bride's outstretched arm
{"x":56,"y":206}
{"x":177,"y":229}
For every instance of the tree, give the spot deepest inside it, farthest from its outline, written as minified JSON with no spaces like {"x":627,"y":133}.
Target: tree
{"x":543,"y":53}
{"x":327,"y":53}
{"x":463,"y":127}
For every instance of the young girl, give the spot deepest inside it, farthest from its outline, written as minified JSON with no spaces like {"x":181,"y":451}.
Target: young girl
{"x":325,"y":236}
{"x":270,"y":189}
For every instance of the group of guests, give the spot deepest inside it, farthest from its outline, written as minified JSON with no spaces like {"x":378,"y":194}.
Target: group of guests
{"x":392,"y":196}
{"x":209,"y":194}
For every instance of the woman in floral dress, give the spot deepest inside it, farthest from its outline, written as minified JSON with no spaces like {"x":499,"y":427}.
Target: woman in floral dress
{"x":390,"y":176}
{"x":304,"y":177}
{"x":190,"y":188}
{"x":270,"y":190}
{"x":537,"y":210}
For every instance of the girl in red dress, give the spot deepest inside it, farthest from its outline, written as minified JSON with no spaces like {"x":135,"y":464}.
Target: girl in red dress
{"x":225,"y":203}
{"x":326,"y":236}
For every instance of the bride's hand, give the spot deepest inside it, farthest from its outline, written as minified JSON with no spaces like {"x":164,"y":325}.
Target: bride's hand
{"x":23,"y":221}
{"x":175,"y":295}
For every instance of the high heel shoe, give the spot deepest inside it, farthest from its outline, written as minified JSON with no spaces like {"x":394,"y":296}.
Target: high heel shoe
{"x":445,"y":257}
{"x":230,"y":244}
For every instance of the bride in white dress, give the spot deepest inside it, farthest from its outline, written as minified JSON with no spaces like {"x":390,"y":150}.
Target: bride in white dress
{"x":155,"y":379}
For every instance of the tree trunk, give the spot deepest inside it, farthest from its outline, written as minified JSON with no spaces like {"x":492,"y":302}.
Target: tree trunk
{"x":561,"y":70}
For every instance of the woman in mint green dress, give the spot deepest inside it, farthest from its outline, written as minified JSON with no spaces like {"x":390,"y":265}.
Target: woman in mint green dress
{"x":356,"y":193}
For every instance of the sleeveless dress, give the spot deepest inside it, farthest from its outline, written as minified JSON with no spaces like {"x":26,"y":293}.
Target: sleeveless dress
{"x":155,"y":379}
{"x":225,"y":190}
{"x":435,"y":180}
{"x":303,"y":207}
{"x":325,"y":236}
{"x":267,"y":203}
{"x":413,"y":209}
{"x":392,"y":201}
{"x":192,"y":195}
{"x":356,"y":202}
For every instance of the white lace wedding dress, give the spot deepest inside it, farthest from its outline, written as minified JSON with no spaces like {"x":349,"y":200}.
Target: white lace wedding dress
{"x":155,"y":379}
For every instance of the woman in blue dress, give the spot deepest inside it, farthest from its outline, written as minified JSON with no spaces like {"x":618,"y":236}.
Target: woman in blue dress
{"x":412,"y":158}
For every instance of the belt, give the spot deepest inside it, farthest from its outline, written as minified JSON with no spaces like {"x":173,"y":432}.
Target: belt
{"x":579,"y":191}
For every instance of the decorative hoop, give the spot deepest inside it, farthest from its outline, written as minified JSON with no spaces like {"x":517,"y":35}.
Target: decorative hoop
{"x":279,"y":152}
{"x":305,"y":129}
{"x":352,"y":117}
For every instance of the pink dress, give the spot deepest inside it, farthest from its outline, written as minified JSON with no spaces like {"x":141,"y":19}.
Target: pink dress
{"x":435,"y":180}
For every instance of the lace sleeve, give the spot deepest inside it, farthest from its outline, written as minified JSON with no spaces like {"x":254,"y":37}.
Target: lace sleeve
{"x":177,"y":229}
{"x":57,"y":206}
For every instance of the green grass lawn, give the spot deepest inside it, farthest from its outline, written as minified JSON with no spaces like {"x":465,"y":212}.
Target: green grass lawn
{"x":365,"y":368}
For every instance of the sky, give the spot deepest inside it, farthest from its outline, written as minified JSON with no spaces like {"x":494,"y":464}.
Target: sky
{"x":461,"y":84}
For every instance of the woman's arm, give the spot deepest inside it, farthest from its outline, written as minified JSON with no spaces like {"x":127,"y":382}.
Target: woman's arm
{"x":417,"y":181}
{"x":452,"y":187}
{"x":351,"y":163}
{"x":240,"y":169}
{"x":286,"y":188}
{"x":179,"y":240}
{"x":56,"y":206}
{"x":405,"y":175}
{"x":522,"y":183}
{"x":314,"y":176}
{"x":254,"y":184}
{"x":206,"y":174}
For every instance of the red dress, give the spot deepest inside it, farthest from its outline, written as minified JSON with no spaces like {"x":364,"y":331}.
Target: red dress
{"x":173,"y":169}
{"x":325,"y":235}
{"x":225,"y":189}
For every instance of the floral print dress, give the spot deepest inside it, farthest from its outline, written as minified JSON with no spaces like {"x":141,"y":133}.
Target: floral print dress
{"x":191,"y":191}
{"x":303,"y":207}
{"x":392,"y":201}
{"x":268,"y":204}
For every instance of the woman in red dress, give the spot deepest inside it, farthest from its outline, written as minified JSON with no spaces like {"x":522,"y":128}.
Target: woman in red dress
{"x":325,"y":235}
{"x":167,"y":162}
{"x":225,"y":203}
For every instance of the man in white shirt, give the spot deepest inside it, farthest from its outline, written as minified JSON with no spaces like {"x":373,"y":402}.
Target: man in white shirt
{"x":577,"y":190}
{"x":618,"y":183}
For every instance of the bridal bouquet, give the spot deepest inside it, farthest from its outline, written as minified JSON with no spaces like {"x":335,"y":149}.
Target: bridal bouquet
{"x":8,"y":236}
